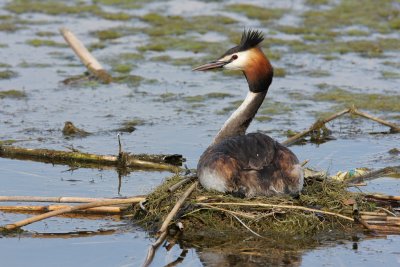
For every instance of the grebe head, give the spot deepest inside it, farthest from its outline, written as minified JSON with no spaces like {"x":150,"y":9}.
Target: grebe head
{"x":247,"y":57}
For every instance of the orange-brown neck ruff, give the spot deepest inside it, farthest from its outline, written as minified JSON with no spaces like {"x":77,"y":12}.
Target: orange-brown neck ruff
{"x":258,"y":71}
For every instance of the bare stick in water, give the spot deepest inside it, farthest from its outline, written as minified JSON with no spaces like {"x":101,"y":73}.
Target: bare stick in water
{"x":40,"y":217}
{"x":85,"y":56}
{"x":97,"y":210}
{"x":67,"y":157}
{"x":353,"y":110}
{"x":52,"y":199}
{"x":163,"y":229}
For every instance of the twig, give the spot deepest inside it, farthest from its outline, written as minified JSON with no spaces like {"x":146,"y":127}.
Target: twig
{"x":283,"y":207}
{"x":393,"y":127}
{"x":373,"y":174}
{"x":383,"y":197}
{"x":40,"y":217}
{"x":70,"y":157}
{"x":163,"y":229}
{"x":180,"y":183}
{"x":387,"y":211}
{"x":385,"y":228}
{"x":248,"y":228}
{"x":152,"y":249}
{"x":175,"y":209}
{"x":179,"y":259}
{"x":85,"y":56}
{"x":53,"y":199}
{"x":314,"y":127}
{"x":245,"y":215}
{"x":97,"y":210}
{"x":353,"y":110}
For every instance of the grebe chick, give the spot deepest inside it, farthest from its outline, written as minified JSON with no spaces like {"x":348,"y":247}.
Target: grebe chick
{"x":253,"y":164}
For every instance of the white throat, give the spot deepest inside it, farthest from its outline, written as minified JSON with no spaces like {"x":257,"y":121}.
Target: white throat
{"x":235,"y":125}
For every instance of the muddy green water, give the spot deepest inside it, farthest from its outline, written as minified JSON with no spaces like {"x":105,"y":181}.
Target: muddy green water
{"x":320,"y":48}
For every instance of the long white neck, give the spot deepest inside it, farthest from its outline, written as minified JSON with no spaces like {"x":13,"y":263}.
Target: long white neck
{"x":240,"y":120}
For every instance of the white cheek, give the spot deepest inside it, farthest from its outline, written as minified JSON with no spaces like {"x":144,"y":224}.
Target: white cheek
{"x":239,"y":63}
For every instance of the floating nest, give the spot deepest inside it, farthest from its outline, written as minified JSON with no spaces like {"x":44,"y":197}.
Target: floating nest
{"x":324,"y":206}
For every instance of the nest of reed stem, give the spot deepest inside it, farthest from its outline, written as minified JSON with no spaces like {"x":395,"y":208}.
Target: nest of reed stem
{"x":222,"y":214}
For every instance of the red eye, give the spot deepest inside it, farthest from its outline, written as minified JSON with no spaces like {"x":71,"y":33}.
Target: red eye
{"x":234,"y":57}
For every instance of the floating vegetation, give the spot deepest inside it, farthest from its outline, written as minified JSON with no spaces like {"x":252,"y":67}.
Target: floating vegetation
{"x":274,"y":107}
{"x":122,"y":68}
{"x":25,"y":64}
{"x":279,"y":72}
{"x":318,"y":73}
{"x":166,"y":43}
{"x":168,"y":97}
{"x":45,"y":42}
{"x":390,"y":75}
{"x":262,"y":118}
{"x":7,"y":74}
{"x":121,"y":3}
{"x":257,"y":12}
{"x":201,"y":98}
{"x":130,"y":126}
{"x":130,"y":80}
{"x":70,"y":130}
{"x":368,"y":48}
{"x":59,"y":8}
{"x":17,"y":94}
{"x":107,"y":35}
{"x":8,"y":27}
{"x":382,"y":102}
{"x":4,"y":65}
{"x":177,"y":25}
{"x":378,"y":15}
{"x":317,"y":2}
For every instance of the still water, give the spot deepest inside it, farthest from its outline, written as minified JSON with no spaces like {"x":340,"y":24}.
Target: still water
{"x":171,"y":122}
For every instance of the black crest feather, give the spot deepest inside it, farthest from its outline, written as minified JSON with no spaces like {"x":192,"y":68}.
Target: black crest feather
{"x":250,"y":39}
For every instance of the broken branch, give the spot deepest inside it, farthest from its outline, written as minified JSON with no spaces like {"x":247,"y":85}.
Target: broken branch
{"x":74,"y":157}
{"x":353,"y":110}
{"x":163,"y":229}
{"x":85,"y":56}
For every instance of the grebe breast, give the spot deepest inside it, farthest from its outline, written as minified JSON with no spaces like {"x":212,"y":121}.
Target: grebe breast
{"x":250,"y":165}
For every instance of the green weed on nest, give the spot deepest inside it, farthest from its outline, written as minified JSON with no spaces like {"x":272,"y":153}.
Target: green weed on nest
{"x":325,"y":194}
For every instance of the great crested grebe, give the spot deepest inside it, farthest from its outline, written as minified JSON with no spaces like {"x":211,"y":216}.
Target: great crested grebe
{"x":253,"y":164}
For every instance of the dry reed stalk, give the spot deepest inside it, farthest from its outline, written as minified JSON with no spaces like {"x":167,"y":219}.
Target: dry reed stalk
{"x":385,"y":228}
{"x":51,"y":199}
{"x":393,"y":127}
{"x":163,"y":229}
{"x":152,"y":249}
{"x":94,"y":204}
{"x":373,"y":174}
{"x":372,"y":213}
{"x":97,"y":210}
{"x":176,"y":208}
{"x":85,"y":56}
{"x":353,"y":110}
{"x":385,"y":223}
{"x":314,"y":127}
{"x":180,"y":183}
{"x":374,"y":217}
{"x":383,"y":197}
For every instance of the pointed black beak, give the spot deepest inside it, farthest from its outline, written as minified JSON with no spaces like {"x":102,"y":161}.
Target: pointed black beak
{"x":211,"y":65}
